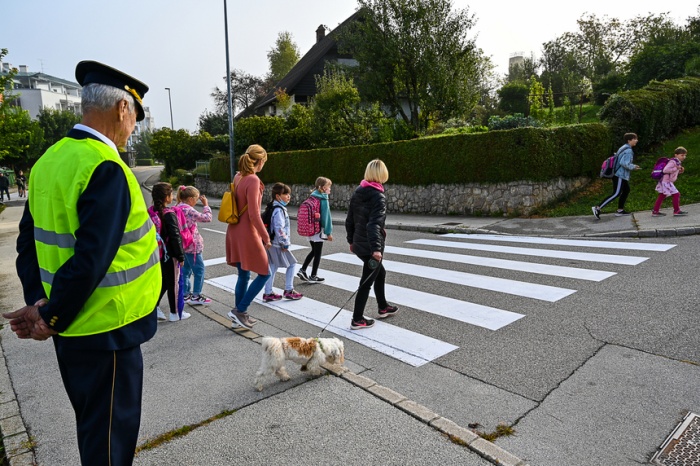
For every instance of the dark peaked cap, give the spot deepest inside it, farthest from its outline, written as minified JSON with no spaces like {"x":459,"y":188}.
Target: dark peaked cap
{"x":89,"y":72}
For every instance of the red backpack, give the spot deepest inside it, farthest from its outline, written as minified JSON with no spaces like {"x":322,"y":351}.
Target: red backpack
{"x":308,"y":223}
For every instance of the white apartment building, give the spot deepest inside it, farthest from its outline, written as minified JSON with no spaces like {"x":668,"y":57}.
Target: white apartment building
{"x":35,"y":90}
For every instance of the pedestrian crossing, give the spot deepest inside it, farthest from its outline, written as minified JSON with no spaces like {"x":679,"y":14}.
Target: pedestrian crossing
{"x":416,"y":349}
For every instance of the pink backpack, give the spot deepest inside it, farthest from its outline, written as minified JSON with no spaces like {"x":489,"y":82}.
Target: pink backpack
{"x":186,"y":234}
{"x":308,"y":224}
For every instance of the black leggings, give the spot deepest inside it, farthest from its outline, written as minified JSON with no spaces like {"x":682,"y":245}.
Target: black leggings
{"x":167,"y":272}
{"x":621,"y":189}
{"x":315,"y":254}
{"x":376,"y":277}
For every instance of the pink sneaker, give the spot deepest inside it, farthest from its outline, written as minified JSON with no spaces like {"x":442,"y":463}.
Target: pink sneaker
{"x":291,"y":294}
{"x":271,"y":297}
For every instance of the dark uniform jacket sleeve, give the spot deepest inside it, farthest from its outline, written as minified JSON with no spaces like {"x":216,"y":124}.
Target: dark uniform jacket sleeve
{"x":103,"y":210}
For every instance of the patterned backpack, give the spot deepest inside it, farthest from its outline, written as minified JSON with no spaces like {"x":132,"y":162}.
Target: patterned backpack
{"x":308,"y":223}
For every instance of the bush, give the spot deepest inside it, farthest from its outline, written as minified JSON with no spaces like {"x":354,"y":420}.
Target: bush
{"x":219,"y":169}
{"x":144,"y":162}
{"x":655,"y":112}
{"x":517,"y":120}
{"x":535,"y":154}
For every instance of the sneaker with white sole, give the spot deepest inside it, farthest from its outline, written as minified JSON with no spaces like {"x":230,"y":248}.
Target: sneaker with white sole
{"x":680,"y":213}
{"x":302,"y":274}
{"x":160,"y":314}
{"x":387,"y":311}
{"x":232,"y":315}
{"x":622,"y":213}
{"x":271,"y":297}
{"x":187,"y":297}
{"x":240,"y":319}
{"x":658,"y":214}
{"x":176,"y":318}
{"x":596,"y":212}
{"x":362,"y":323}
{"x":316,"y":279}
{"x":198,"y":300}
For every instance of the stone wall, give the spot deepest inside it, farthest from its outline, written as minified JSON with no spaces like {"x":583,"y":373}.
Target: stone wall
{"x":514,"y":198}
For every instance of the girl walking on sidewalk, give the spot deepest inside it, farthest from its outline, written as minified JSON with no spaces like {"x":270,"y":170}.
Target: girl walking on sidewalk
{"x":279,"y":254}
{"x":666,"y":187}
{"x":322,"y":191}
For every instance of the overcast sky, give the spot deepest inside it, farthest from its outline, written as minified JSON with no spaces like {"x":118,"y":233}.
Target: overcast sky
{"x":180,"y":44}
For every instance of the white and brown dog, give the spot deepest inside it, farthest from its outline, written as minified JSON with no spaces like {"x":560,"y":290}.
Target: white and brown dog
{"x":309,"y":352}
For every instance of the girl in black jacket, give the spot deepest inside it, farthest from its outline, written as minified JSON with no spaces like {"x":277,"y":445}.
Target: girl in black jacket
{"x":365,"y":233}
{"x":162,"y":195}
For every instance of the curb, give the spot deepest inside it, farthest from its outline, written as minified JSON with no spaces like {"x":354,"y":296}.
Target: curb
{"x":15,"y":438}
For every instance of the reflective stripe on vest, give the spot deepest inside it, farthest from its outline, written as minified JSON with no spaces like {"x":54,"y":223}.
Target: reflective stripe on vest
{"x":130,"y":288}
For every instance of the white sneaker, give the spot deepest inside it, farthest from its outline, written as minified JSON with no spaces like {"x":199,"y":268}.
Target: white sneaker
{"x":161,"y":316}
{"x":175,"y":317}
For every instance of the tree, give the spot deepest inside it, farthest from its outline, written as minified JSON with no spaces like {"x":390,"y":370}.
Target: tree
{"x":514,"y":97}
{"x":282,"y":57}
{"x":21,"y":139}
{"x":521,"y":73}
{"x":245,"y":90}
{"x":339,"y":116}
{"x":414,"y":57}
{"x":142,"y":147}
{"x":214,"y":123}
{"x":56,"y":124}
{"x":6,"y":82}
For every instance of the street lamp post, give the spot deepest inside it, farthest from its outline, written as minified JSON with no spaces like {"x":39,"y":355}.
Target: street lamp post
{"x":228,"y":86}
{"x":172,"y":126}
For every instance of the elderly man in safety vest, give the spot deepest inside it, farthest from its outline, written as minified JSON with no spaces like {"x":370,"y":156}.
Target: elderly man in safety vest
{"x":89,"y":266}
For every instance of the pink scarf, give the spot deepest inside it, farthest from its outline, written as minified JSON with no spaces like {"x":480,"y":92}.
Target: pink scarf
{"x":372,"y":184}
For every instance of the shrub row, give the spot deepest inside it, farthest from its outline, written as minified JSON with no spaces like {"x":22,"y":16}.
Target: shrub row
{"x":535,"y":154}
{"x":655,"y":112}
{"x":144,"y":162}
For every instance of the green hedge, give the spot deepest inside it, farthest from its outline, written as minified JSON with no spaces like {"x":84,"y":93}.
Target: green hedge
{"x":655,"y":112}
{"x":144,"y":162}
{"x":535,"y":154}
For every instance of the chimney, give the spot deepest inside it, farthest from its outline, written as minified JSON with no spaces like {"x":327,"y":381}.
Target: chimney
{"x":320,"y":33}
{"x":23,"y":69}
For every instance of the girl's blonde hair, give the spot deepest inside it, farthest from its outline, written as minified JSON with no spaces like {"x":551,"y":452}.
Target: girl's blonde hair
{"x":680,"y":150}
{"x":377,"y":172}
{"x":247,"y":161}
{"x":187,"y":192}
{"x":322,"y":182}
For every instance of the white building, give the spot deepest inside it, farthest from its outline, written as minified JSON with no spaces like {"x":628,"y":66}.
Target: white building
{"x":35,"y":91}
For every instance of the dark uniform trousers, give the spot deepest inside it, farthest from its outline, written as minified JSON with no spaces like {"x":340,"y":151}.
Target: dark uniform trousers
{"x":105,"y":389}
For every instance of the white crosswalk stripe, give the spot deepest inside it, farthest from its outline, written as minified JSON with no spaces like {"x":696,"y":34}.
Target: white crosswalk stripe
{"x":543,"y":269}
{"x":417,"y":349}
{"x":557,"y":254}
{"x":462,"y":311}
{"x":502,"y":285}
{"x":566,"y":242}
{"x":407,"y":346}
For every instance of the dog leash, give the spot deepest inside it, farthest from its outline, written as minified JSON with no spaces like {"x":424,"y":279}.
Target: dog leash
{"x":372,"y":264}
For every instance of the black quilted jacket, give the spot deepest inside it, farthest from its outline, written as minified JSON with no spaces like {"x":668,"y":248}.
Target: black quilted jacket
{"x":364,"y":225}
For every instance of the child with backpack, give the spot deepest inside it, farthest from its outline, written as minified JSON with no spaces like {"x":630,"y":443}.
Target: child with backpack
{"x":279,"y":254}
{"x":314,"y":221}
{"x":666,"y":187}
{"x":172,"y":254}
{"x":187,"y":197}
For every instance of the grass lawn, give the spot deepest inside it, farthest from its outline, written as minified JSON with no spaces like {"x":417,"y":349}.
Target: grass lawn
{"x":642,"y":195}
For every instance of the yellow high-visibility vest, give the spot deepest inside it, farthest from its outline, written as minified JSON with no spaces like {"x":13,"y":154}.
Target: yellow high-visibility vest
{"x":131,"y":287}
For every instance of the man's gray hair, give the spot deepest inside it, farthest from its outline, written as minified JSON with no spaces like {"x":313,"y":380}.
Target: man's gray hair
{"x":103,"y":98}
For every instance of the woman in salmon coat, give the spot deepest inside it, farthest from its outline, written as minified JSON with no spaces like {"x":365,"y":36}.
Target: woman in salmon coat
{"x":247,"y":241}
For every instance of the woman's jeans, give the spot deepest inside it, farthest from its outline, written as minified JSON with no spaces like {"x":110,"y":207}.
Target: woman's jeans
{"x":244,"y":292}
